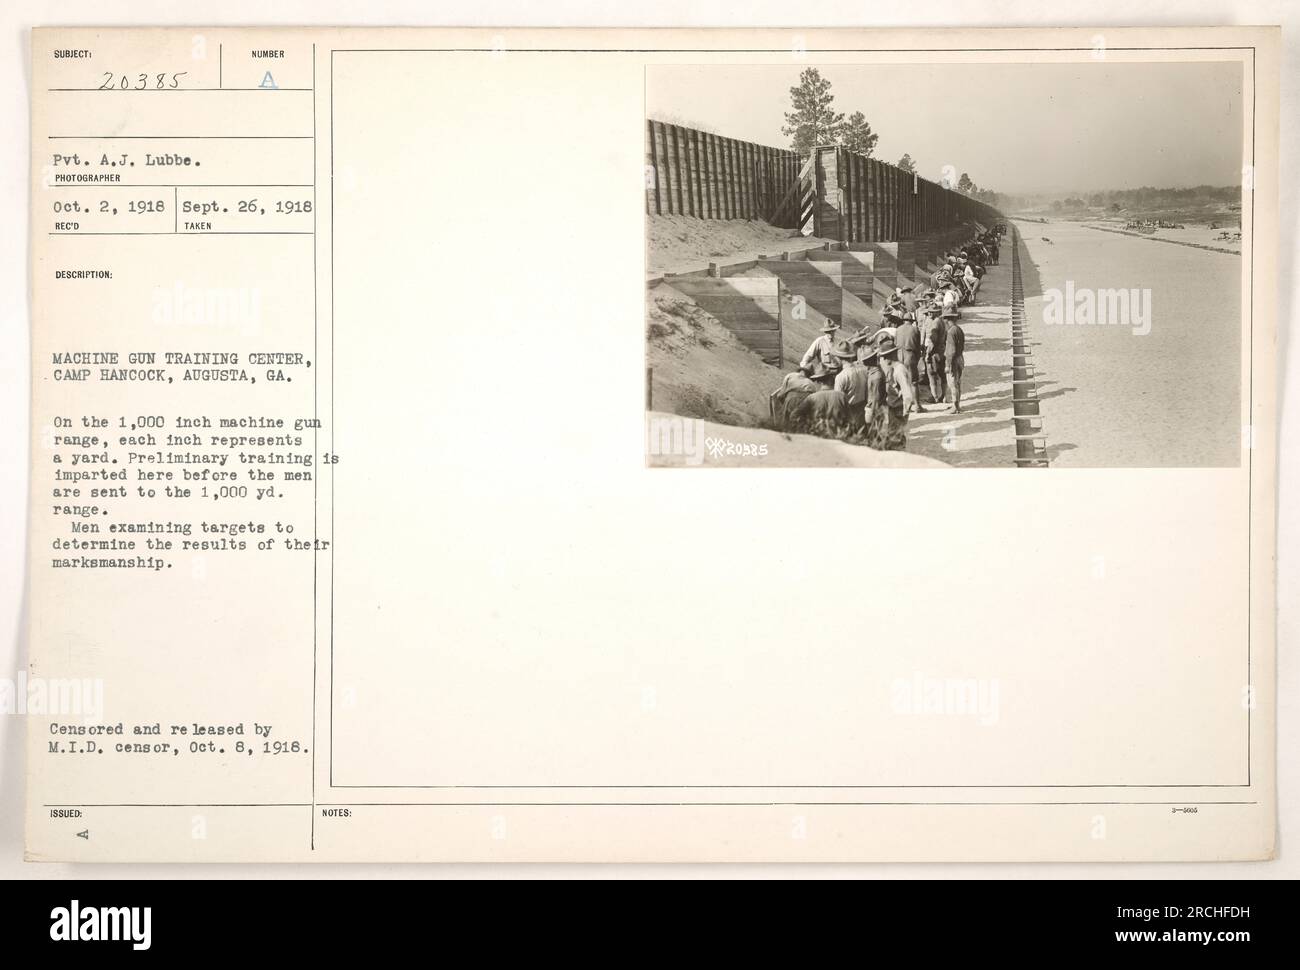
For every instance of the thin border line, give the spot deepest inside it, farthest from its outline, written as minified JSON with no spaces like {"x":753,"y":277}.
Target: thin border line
{"x":179,"y":137}
{"x":195,"y":232}
{"x":333,"y":450}
{"x":169,"y":90}
{"x":1250,"y":450}
{"x":177,"y":805}
{"x":96,"y":186}
{"x":754,"y":50}
{"x":747,"y":787}
{"x":941,"y":50}
{"x":315,"y":443}
{"x":573,"y":804}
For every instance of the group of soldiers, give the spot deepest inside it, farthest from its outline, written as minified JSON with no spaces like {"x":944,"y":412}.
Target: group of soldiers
{"x":862,"y":389}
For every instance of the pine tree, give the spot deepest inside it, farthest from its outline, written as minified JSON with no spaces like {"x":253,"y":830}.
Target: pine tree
{"x":964,"y":184}
{"x":906,"y":163}
{"x":812,"y":122}
{"x":856,"y":135}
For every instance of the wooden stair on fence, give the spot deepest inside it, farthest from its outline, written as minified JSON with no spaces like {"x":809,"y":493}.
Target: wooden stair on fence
{"x":750,"y":307}
{"x":857,"y":270}
{"x":820,"y":284}
{"x":885,"y":268}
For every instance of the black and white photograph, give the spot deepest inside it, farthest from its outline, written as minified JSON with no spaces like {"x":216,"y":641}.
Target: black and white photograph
{"x":358,"y":368}
{"x":981,"y":265}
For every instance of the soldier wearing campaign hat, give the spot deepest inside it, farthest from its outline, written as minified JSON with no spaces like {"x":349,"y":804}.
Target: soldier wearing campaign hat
{"x":954,"y":354}
{"x":820,"y":354}
{"x":908,"y":338}
{"x":887,"y":429}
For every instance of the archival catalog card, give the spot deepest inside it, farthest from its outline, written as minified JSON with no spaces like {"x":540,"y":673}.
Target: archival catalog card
{"x":605,"y":445}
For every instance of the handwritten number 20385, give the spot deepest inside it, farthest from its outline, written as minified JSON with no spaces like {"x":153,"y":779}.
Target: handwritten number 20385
{"x":141,"y":82}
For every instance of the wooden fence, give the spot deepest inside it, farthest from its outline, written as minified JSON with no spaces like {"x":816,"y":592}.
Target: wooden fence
{"x":842,"y":195}
{"x":861,"y":199}
{"x":697,"y":173}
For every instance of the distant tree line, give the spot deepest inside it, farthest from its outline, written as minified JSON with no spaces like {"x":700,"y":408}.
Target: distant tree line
{"x":1146,"y":198}
{"x":1149,"y":197}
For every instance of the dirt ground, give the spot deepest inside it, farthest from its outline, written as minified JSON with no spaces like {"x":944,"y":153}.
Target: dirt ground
{"x":721,"y":445}
{"x":1200,"y":236}
{"x":680,"y":244}
{"x":699,"y":369}
{"x":981,"y":435}
{"x":1116,"y":398}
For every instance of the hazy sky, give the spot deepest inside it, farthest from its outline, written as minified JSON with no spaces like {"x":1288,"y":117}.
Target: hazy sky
{"x":1013,"y":127}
